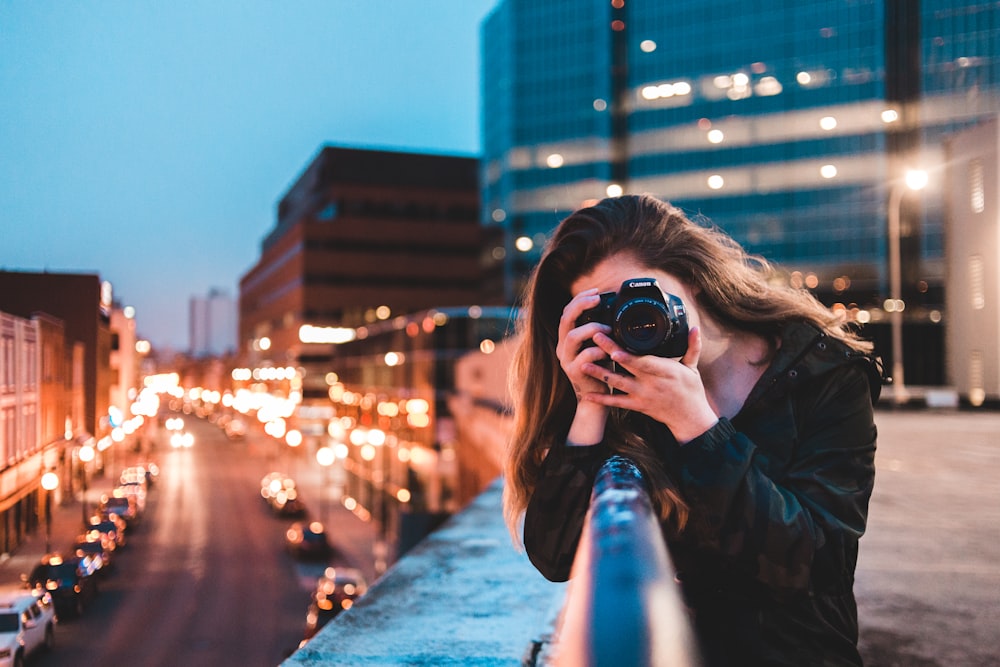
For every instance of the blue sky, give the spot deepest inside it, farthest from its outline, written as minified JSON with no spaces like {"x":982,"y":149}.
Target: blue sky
{"x":150,"y":142}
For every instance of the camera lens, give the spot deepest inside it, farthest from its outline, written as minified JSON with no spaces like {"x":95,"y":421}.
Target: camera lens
{"x":641,"y":325}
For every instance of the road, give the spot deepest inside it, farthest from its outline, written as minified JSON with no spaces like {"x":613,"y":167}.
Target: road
{"x":205,"y":579}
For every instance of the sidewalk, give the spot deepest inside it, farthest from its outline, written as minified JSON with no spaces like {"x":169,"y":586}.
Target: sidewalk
{"x":67,"y":524}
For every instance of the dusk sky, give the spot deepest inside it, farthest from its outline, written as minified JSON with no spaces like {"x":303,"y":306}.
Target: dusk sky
{"x":150,"y":142}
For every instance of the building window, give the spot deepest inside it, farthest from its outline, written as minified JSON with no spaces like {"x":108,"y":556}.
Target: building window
{"x":977,"y":281}
{"x":328,"y":213}
{"x":977,"y":391}
{"x":977,"y":199}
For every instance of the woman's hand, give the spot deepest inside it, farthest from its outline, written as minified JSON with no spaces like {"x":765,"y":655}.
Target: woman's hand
{"x":668,"y":390}
{"x":576,"y":352}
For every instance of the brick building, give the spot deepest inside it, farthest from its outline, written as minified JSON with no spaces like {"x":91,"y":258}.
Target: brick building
{"x":362,"y":236}
{"x":83,"y":303}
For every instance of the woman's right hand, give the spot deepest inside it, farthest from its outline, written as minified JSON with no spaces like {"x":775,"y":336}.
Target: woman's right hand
{"x":574,"y":350}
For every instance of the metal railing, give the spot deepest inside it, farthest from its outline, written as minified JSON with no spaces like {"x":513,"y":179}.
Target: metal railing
{"x":623,"y":606}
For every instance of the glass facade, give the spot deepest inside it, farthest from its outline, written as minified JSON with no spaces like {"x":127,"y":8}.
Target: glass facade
{"x":785,"y":123}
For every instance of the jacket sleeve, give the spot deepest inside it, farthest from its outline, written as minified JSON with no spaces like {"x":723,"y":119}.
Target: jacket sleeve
{"x":554,"y":517}
{"x":799,"y":529}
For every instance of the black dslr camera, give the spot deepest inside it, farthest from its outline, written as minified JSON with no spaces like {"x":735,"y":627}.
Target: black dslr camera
{"x":643,"y":318}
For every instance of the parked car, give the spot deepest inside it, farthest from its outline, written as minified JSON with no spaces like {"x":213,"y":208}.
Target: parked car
{"x":235,"y":429}
{"x":122,"y":506}
{"x":27,"y":624}
{"x":273,"y":483}
{"x":336,"y":591}
{"x":280,"y":493}
{"x":286,"y":503}
{"x":306,"y":540}
{"x":94,"y":556}
{"x":70,"y":584}
{"x":135,"y":490}
{"x":145,"y":473}
{"x":110,"y":530}
{"x":151,"y":469}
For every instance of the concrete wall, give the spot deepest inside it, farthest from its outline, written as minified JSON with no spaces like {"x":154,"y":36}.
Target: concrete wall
{"x":463,"y":596}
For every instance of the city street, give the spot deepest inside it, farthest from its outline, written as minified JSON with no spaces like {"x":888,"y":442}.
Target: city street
{"x":205,"y":579}
{"x":928,"y":580}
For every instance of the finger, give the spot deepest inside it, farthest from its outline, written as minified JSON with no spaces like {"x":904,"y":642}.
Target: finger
{"x":609,"y":400}
{"x":690,"y":358}
{"x":615,"y":381}
{"x":571,"y":313}
{"x":592,"y":355}
{"x":607,"y":343}
{"x":633,"y":363}
{"x":596,"y":371}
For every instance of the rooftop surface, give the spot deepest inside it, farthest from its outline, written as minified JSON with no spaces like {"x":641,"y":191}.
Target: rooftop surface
{"x":928,"y":580}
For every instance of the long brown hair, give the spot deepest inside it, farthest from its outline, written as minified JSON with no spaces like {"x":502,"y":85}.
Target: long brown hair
{"x":738,"y":291}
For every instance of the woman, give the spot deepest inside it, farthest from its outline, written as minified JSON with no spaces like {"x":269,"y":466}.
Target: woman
{"x":758,"y":443}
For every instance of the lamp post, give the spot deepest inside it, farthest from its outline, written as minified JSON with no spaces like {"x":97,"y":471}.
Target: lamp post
{"x":293,"y":438}
{"x":915,"y":179}
{"x":376,"y":439}
{"x":50,"y":482}
{"x":86,"y":456}
{"x":325,"y":457}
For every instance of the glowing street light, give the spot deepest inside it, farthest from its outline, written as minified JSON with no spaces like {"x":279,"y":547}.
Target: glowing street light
{"x":86,"y":456}
{"x":325,"y":456}
{"x":50,"y":482}
{"x":915,"y":179}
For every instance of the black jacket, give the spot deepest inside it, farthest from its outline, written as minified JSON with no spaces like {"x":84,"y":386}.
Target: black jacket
{"x":778,"y":498}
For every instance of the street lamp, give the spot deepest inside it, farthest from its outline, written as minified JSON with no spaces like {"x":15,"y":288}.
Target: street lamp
{"x":325,"y":457}
{"x":915,"y":179}
{"x":293,"y":438}
{"x":86,"y":456}
{"x":50,"y":482}
{"x":376,"y":440}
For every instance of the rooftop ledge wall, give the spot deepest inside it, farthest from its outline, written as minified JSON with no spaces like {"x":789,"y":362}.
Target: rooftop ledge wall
{"x":463,"y":596}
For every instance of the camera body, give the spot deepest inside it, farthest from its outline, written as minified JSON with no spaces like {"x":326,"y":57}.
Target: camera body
{"x":643,"y":318}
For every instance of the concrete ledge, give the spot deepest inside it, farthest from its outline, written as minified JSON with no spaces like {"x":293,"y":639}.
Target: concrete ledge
{"x":921,"y":398}
{"x":463,"y":596}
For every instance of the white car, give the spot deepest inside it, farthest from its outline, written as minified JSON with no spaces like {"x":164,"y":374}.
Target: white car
{"x":27,"y":624}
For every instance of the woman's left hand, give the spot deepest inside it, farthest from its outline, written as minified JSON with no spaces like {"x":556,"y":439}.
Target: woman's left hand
{"x":668,"y":390}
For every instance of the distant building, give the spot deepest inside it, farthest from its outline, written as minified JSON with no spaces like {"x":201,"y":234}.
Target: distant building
{"x":363,"y":236}
{"x":20,"y":403}
{"x":40,"y":405}
{"x":124,"y":361}
{"x":20,"y":408}
{"x":213,"y":321}
{"x":785,"y":123}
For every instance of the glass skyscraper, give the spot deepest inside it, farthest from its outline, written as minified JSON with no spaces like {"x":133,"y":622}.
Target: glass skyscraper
{"x":785,"y":123}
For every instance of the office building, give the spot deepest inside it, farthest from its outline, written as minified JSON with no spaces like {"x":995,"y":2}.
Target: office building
{"x":213,"y":324}
{"x":124,"y":361}
{"x":973,"y":248}
{"x":362,"y":236}
{"x":788,"y":124}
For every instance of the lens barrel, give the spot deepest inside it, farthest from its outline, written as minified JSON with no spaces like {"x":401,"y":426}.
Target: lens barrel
{"x":642,"y":324}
